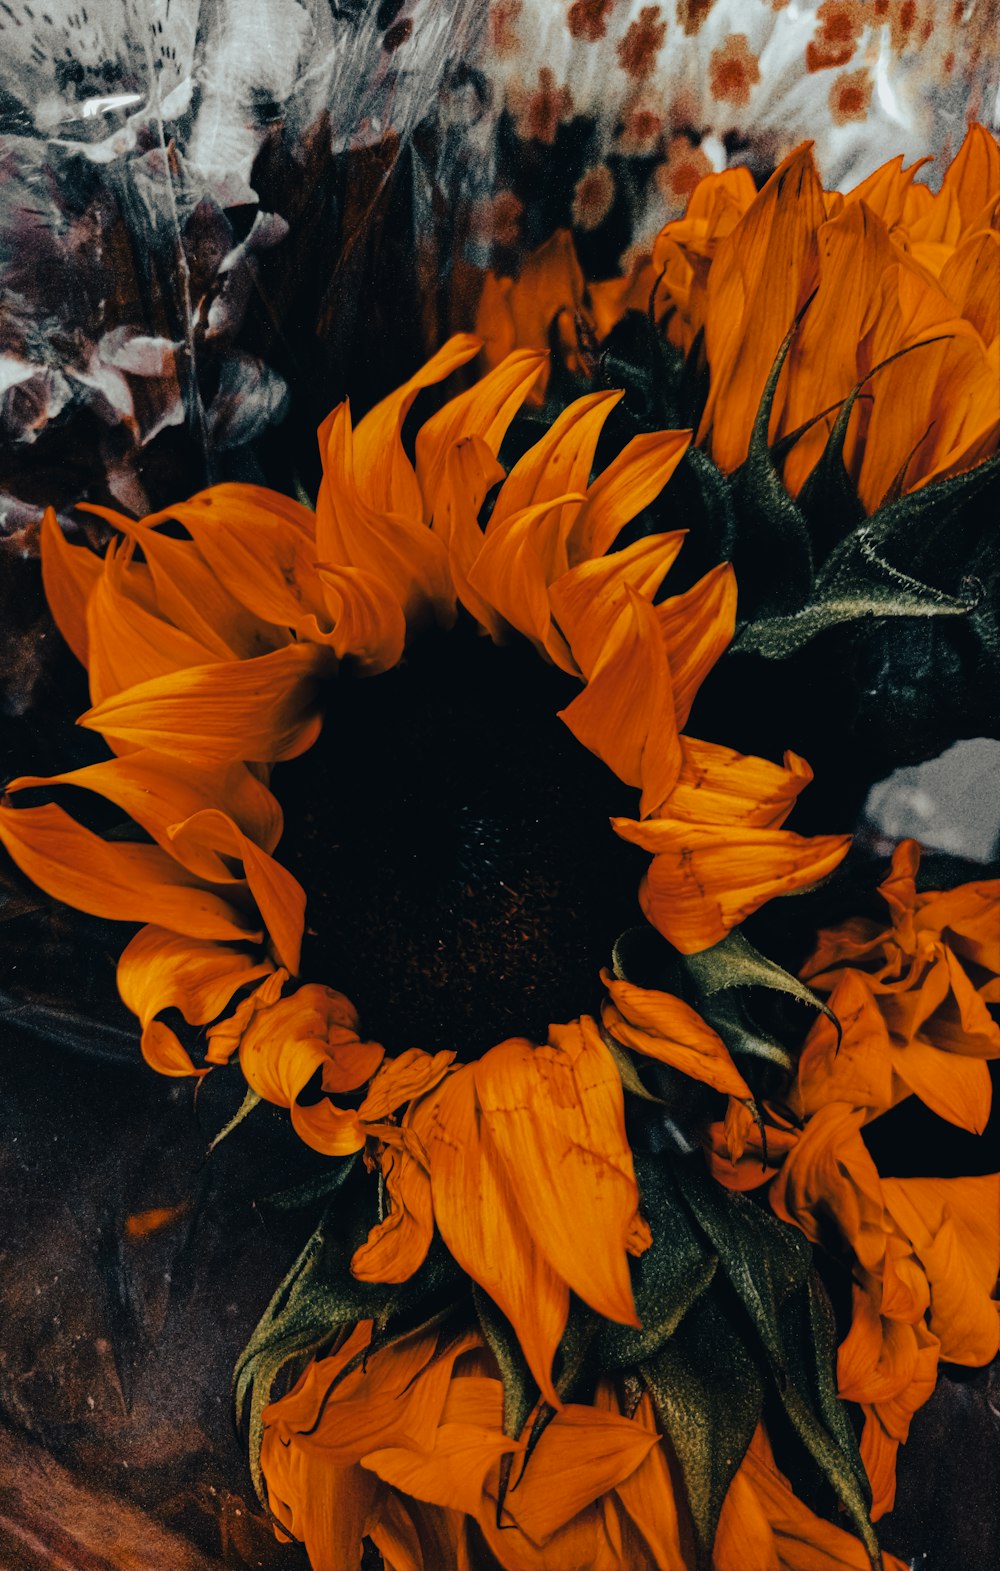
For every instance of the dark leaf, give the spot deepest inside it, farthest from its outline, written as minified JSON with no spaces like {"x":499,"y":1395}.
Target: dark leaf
{"x":520,"y":1393}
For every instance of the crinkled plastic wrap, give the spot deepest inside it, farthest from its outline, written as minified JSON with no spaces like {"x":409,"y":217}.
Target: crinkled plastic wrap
{"x":200,"y":207}
{"x":219,"y":216}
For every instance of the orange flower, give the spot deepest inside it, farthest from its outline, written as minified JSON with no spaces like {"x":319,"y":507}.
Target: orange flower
{"x":405,"y":1444}
{"x":507,"y":1153}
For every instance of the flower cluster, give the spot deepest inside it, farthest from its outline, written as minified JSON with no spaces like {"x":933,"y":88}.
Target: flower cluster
{"x":924,"y":1253}
{"x":407,"y":1444}
{"x":889,"y":290}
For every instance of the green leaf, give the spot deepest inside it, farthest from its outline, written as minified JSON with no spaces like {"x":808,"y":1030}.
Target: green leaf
{"x":671,"y":1276}
{"x":708,"y":1393}
{"x":810,"y":1336}
{"x":520,"y":1393}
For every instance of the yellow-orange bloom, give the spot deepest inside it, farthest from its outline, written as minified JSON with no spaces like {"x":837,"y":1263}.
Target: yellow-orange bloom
{"x":405,"y":1444}
{"x":887,"y":272}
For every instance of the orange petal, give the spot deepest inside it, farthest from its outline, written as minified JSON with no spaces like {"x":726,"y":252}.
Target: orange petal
{"x":485,"y":410}
{"x":280,"y":898}
{"x":128,"y":883}
{"x":352,"y":532}
{"x":157,"y":792}
{"x":476,"y":1206}
{"x":69,"y":574}
{"x":264,"y":560}
{"x":560,"y":462}
{"x":958,"y":1089}
{"x":384,"y":474}
{"x":163,"y":970}
{"x":126,"y":643}
{"x":954,"y":1225}
{"x":706,"y":879}
{"x":625,"y":712}
{"x":584,"y":1453}
{"x":633,"y":479}
{"x":588,"y":600}
{"x":556,"y":1117}
{"x":665,"y":1028}
{"x":368,"y":621}
{"x":697,"y":627}
{"x":857,"y":1067}
{"x":401,"y":1079}
{"x":286,"y":1041}
{"x":470,"y":471}
{"x":517,"y":563}
{"x":397,"y":1246}
{"x":719,"y":786}
{"x":189,"y":593}
{"x":259,"y":709}
{"x":974,"y":173}
{"x":761,"y":275}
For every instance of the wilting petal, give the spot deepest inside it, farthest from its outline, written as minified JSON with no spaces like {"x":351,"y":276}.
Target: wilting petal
{"x":625,"y":712}
{"x":829,"y":1173}
{"x":280,"y":898}
{"x":630,"y":482}
{"x":477,"y":1209}
{"x":401,"y":1079}
{"x":588,"y":600}
{"x":583,"y":1454}
{"x":556,"y":1117}
{"x":162,"y":970}
{"x":706,"y":879}
{"x":368,"y":621}
{"x":158,"y":791}
{"x":485,"y":410}
{"x":855,"y":1067}
{"x":954,"y":1226}
{"x":128,"y":883}
{"x":697,"y":627}
{"x":261,"y":709}
{"x":956,"y":1088}
{"x":719,"y":786}
{"x":69,"y":575}
{"x":397,"y":547}
{"x":288,"y":1040}
{"x":666,"y":1028}
{"x":397,"y":1246}
{"x":384,"y":474}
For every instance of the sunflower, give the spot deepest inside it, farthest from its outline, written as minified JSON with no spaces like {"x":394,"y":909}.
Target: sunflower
{"x":218,"y":636}
{"x":889,"y":292}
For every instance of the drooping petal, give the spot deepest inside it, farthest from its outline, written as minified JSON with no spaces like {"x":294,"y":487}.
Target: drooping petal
{"x":625,"y":712}
{"x":158,"y":792}
{"x":583,"y":1454}
{"x":667,"y":1029}
{"x":397,"y":1246}
{"x":517,"y":563}
{"x":485,"y":410}
{"x":368,"y":622}
{"x":260,"y":709}
{"x":706,"y":878}
{"x":719,"y":786}
{"x":280,"y":898}
{"x":128,"y":883}
{"x":556,"y":1117}
{"x":286,"y":1041}
{"x":697,"y":627}
{"x":69,"y":574}
{"x":588,"y":600}
{"x":476,"y":1206}
{"x":162,"y":970}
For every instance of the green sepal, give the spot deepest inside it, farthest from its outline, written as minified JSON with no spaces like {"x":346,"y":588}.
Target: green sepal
{"x":734,"y":962}
{"x":772,"y":527}
{"x":708,"y":1394}
{"x":768,"y":1263}
{"x":520,"y":1392}
{"x":667,"y":1279}
{"x":246,"y":1107}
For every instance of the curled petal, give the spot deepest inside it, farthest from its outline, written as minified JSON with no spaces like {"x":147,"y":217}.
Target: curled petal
{"x":697,"y":627}
{"x":128,"y":883}
{"x":590,"y":598}
{"x":368,"y":621}
{"x":630,"y":482}
{"x":162,"y":970}
{"x":719,"y":786}
{"x":126,"y":643}
{"x":470,"y":470}
{"x":69,"y":575}
{"x":558,"y":464}
{"x":706,"y":879}
{"x":485,"y":410}
{"x":666,"y":1028}
{"x":517,"y":563}
{"x":261,"y":709}
{"x":401,"y":1079}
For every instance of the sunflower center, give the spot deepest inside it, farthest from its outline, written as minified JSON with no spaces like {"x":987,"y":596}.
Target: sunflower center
{"x":464,"y":883}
